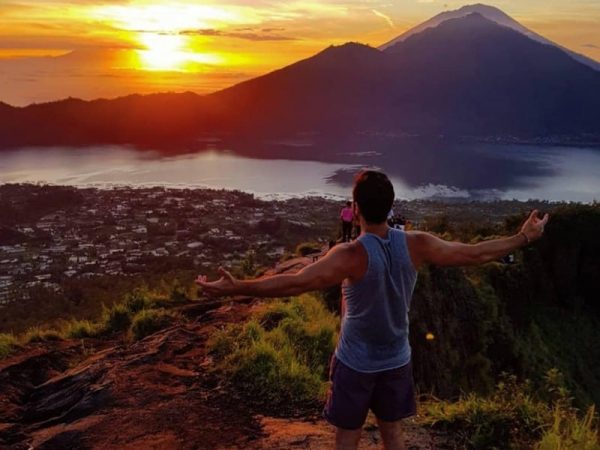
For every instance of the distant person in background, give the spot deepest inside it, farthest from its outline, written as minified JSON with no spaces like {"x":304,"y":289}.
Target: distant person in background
{"x":400,"y":223}
{"x":356,"y":225}
{"x":390,"y":218}
{"x":371,"y":367}
{"x":347,"y":218}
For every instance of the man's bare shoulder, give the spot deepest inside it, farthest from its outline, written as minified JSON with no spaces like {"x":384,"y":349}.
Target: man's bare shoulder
{"x":354,"y":257}
{"x":347,"y":249}
{"x":418,"y":243}
{"x":417,"y":238}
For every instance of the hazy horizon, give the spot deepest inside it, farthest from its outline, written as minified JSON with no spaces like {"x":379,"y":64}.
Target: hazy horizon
{"x":111,"y":48}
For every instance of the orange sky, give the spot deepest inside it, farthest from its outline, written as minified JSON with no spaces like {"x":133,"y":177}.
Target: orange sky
{"x":52,"y":49}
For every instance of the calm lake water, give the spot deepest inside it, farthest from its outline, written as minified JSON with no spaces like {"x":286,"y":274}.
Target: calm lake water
{"x":418,"y":170}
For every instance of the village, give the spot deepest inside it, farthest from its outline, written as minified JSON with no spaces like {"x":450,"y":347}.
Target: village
{"x":124,"y":231}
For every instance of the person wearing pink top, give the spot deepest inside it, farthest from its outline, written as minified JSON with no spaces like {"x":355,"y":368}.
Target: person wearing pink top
{"x":347,"y":217}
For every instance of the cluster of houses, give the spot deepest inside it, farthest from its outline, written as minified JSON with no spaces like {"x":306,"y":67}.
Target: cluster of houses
{"x":126,"y":231}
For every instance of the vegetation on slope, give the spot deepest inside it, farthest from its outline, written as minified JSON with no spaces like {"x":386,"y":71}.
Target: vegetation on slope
{"x":468,"y":326}
{"x":279,"y":359}
{"x":139,"y":314}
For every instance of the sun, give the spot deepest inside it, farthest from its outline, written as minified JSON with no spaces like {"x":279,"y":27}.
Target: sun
{"x":162,"y":52}
{"x":163,"y":33}
{"x":169,"y":52}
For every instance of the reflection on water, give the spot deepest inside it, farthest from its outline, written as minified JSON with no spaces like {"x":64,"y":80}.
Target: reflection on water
{"x":417,"y":169}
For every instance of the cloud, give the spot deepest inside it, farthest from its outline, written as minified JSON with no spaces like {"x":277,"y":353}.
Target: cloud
{"x":385,"y":17}
{"x":591,"y":46}
{"x":250,"y":36}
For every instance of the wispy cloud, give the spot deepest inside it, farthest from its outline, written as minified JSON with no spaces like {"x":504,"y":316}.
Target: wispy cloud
{"x":385,"y":17}
{"x":250,"y":36}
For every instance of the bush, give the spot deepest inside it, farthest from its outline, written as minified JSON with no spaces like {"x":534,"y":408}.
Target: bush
{"x":116,"y":319}
{"x":515,"y":417}
{"x":511,"y":418}
{"x":78,"y":329}
{"x":306,"y":248}
{"x":276,"y":377}
{"x":38,"y":334}
{"x":279,"y":357}
{"x":136,"y":301}
{"x":568,"y":432}
{"x":8,"y":343}
{"x":149,"y":321}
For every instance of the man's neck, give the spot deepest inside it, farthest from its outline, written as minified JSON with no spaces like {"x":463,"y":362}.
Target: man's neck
{"x":379,"y":229}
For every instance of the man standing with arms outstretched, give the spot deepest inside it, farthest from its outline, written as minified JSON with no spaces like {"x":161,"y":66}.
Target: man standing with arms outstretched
{"x":371,"y":366}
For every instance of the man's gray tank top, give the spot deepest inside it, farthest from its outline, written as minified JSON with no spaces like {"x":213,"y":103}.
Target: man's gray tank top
{"x":374,"y":335}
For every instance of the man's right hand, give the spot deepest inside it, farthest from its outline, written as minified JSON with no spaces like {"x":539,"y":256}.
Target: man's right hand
{"x":226,"y":285}
{"x":533,"y":228}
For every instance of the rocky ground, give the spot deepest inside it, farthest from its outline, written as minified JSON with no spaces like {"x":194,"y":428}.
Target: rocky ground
{"x":158,"y":393}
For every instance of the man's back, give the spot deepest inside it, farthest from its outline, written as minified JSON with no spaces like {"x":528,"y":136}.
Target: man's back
{"x":374,"y":333}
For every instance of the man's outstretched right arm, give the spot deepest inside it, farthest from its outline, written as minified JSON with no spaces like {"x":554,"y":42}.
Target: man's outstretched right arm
{"x":332,"y":269}
{"x":426,"y":248}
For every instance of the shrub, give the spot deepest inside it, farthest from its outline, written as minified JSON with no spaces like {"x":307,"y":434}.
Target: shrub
{"x":38,"y":334}
{"x":78,"y":329}
{"x":8,"y":343}
{"x":306,"y":248}
{"x":515,"y":417}
{"x":510,"y":418}
{"x":279,"y":357}
{"x":276,"y":377}
{"x":117,"y":318}
{"x":149,"y":321}
{"x":568,"y":432}
{"x":137,"y":300}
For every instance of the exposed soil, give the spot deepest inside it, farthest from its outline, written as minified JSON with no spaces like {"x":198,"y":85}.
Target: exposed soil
{"x":158,"y":393}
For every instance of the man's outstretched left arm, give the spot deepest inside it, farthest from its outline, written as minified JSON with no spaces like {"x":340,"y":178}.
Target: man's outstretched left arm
{"x":429,"y":249}
{"x":330,"y":270}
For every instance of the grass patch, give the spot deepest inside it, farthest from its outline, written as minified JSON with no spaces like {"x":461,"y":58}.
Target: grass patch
{"x":149,"y":321}
{"x":8,"y":343}
{"x":569,"y":432}
{"x":279,"y":358}
{"x":517,"y":417}
{"x":137,"y":300}
{"x":116,"y":319}
{"x":79,"y":329}
{"x":306,"y":248}
{"x":38,"y":334}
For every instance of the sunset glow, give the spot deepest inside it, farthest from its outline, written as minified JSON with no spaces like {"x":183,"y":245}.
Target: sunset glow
{"x":170,"y":52}
{"x":79,"y":48}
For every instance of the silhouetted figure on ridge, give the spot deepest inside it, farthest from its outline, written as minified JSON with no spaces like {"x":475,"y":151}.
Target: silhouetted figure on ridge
{"x":347,"y":218}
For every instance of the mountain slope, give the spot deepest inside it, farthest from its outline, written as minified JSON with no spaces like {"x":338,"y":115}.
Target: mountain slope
{"x":329,"y":90}
{"x":486,"y":77}
{"x":495,"y":15}
{"x":468,"y":76}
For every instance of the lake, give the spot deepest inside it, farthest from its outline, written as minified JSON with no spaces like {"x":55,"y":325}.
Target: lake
{"x":418,"y":169}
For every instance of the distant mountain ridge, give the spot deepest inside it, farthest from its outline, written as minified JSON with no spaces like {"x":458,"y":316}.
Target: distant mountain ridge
{"x":467,"y":76}
{"x":496,"y":15}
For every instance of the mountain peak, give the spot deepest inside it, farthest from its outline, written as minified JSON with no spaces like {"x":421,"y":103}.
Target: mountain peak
{"x":348,"y":48}
{"x":491,"y":13}
{"x":483,"y":9}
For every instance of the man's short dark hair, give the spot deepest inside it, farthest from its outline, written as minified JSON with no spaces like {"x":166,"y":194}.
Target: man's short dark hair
{"x":374,"y":194}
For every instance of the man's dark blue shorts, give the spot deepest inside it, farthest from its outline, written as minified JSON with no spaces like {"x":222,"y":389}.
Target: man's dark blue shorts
{"x":389,"y":394}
